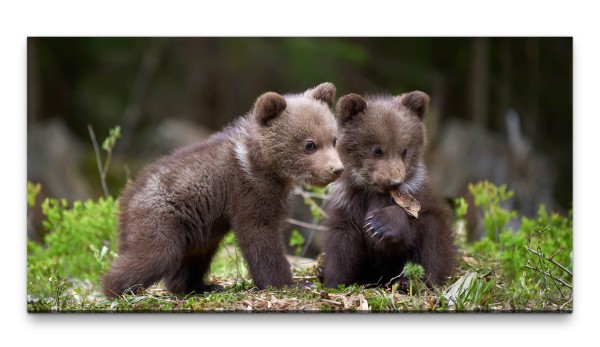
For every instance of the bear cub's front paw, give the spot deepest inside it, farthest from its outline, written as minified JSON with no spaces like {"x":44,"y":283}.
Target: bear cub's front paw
{"x":384,"y":224}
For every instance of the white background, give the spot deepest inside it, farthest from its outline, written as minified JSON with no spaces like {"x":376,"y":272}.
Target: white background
{"x":302,"y":18}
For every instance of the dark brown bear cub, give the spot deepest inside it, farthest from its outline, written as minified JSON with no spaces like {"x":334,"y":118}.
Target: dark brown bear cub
{"x":178,"y":209}
{"x":371,"y":238}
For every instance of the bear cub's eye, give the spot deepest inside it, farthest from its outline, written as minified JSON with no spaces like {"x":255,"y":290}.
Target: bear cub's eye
{"x":334,"y":142}
{"x":377,"y":151}
{"x":404,"y":152}
{"x":310,"y":146}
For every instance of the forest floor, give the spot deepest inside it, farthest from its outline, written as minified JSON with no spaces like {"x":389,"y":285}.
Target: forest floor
{"x":472,"y":288}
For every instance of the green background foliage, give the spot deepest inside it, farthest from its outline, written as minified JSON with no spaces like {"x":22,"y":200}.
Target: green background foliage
{"x":138,"y":82}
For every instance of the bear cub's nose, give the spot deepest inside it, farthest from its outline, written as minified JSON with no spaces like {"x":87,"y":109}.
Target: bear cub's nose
{"x":395,"y":183}
{"x":337,"y":169}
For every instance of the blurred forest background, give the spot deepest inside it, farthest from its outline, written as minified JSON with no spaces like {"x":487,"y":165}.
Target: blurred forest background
{"x":501,"y":108}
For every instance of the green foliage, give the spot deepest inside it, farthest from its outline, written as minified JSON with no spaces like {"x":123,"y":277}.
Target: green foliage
{"x":488,"y":197}
{"x":297,"y":241}
{"x":549,"y":234}
{"x":228,"y":262}
{"x":32,"y":191}
{"x":477,"y":294}
{"x":414,"y":273}
{"x":229,"y":239}
{"x":59,"y":286}
{"x":80,"y":243}
{"x":113,"y":135}
{"x":316,"y":209}
{"x":310,"y":195}
{"x":460,"y":207}
{"x":536,"y":260}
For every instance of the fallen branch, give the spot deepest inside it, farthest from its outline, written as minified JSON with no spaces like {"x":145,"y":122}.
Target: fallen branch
{"x":304,"y":277}
{"x":549,"y":275}
{"x":550,"y":260}
{"x":566,"y":303}
{"x":332,"y":302}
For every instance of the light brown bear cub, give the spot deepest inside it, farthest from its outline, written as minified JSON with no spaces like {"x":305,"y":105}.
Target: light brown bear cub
{"x":371,"y":238}
{"x":176,"y":212}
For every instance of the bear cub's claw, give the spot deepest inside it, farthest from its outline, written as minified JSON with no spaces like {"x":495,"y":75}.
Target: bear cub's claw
{"x":382,"y":224}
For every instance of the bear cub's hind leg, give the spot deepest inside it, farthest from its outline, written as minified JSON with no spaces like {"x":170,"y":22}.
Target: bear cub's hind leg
{"x":190,"y":276}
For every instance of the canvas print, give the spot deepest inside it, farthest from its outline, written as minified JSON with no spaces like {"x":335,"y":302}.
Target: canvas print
{"x":299,"y":174}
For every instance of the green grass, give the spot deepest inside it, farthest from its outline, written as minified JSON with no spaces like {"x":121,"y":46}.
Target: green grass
{"x":486,"y":293}
{"x":524,"y":270}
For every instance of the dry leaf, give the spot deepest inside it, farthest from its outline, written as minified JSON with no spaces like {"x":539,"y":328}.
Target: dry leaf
{"x":432,"y":302}
{"x":407,"y":202}
{"x":469,"y":260}
{"x":363,"y":304}
{"x":248,"y":305}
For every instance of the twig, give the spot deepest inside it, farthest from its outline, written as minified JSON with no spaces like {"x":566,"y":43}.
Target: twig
{"x":100,"y":168}
{"x":566,"y":303}
{"x":550,"y":260}
{"x":556,"y":253}
{"x":306,"y":196}
{"x":127,"y":173}
{"x":304,"y":277}
{"x":107,"y":161}
{"x":394,"y":278}
{"x":332,"y":302}
{"x":542,"y":265}
{"x":307,"y":225}
{"x":235,"y":260}
{"x":549,"y":275}
{"x":316,"y":195}
{"x":311,"y":234}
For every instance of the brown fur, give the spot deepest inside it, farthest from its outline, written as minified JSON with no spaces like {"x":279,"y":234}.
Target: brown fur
{"x":176,"y":212}
{"x":371,"y":238}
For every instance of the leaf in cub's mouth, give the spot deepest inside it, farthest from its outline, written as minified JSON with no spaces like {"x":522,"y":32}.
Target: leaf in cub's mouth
{"x":407,"y":202}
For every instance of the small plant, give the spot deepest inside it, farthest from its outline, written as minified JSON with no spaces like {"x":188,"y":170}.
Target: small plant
{"x":32,"y":191}
{"x":78,"y":244}
{"x":414,"y":273}
{"x":476,"y":294}
{"x":489,"y":197}
{"x":108,"y":144}
{"x":228,"y":261}
{"x":59,"y":285}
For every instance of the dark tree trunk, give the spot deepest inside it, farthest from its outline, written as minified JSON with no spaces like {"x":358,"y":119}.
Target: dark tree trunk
{"x":478,"y":99}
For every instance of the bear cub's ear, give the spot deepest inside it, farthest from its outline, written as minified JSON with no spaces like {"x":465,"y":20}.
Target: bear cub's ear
{"x":349,"y":106}
{"x":323,"y":92}
{"x":268,"y":106}
{"x":416,"y":101}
